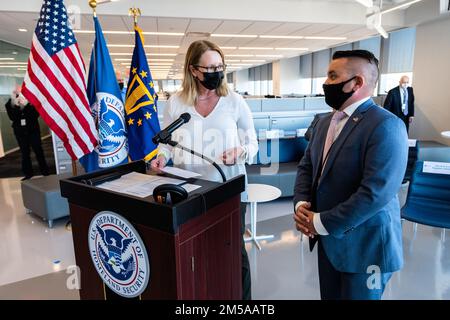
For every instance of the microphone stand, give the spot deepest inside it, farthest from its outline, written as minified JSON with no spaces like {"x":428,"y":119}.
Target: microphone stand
{"x":179,"y":146}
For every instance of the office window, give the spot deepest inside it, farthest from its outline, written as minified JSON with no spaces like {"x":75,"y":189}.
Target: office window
{"x":306,"y":74}
{"x":390,"y":80}
{"x":397,"y":57}
{"x":171,"y":85}
{"x":260,"y":80}
{"x":317,"y":85}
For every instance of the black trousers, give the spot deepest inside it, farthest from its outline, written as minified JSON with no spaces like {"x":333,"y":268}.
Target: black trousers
{"x":27,"y":139}
{"x":246,"y":277}
{"x":405,"y":120}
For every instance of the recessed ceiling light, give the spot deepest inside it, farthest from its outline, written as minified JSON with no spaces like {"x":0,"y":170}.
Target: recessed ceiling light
{"x":22,"y":30}
{"x":14,"y":63}
{"x":9,"y":59}
{"x":325,"y":38}
{"x":281,"y":37}
{"x":146,"y":46}
{"x":228,"y":48}
{"x":148,"y":54}
{"x":293,"y":49}
{"x":178,"y":34}
{"x":222,"y":35}
{"x":252,"y":60}
{"x":269,"y":55}
{"x":149,"y":60}
{"x":239,"y":55}
{"x":14,"y":52}
{"x":254,"y":48}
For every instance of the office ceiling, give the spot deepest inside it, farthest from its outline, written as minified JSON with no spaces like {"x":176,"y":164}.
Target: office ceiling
{"x":166,"y":52}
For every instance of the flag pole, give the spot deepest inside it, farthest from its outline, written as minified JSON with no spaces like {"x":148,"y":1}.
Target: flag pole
{"x":93,"y":5}
{"x":135,"y":12}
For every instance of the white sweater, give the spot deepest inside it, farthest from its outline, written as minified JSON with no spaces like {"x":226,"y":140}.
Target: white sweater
{"x":229,"y":125}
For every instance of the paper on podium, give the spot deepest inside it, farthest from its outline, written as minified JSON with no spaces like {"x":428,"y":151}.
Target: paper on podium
{"x":190,"y":187}
{"x":137,"y":184}
{"x":186,"y":174}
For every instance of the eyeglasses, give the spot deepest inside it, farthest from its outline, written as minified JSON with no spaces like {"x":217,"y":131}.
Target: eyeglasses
{"x":213,"y":68}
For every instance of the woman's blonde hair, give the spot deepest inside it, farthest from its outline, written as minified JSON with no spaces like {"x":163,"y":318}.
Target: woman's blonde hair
{"x":190,"y":85}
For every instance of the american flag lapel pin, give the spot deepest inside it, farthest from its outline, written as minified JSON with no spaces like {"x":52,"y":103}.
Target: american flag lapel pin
{"x":355,"y":119}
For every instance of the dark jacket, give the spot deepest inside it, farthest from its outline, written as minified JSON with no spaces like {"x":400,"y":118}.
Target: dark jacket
{"x":28,"y":113}
{"x":393,"y":102}
{"x":309,"y":132}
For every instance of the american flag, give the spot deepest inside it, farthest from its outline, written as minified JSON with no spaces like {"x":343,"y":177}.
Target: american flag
{"x":55,"y":81}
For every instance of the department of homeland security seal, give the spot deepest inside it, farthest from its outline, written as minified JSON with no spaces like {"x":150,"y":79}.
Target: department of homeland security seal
{"x":113,"y":147}
{"x":118,"y":254}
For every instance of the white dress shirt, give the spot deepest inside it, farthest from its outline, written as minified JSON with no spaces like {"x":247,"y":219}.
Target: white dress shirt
{"x":339,"y":126}
{"x":229,"y":125}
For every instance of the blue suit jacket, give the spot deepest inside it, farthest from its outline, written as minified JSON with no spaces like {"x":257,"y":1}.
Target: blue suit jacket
{"x":356,"y":194}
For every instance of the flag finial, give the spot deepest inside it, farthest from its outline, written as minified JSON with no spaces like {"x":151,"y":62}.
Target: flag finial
{"x":135,"y":12}
{"x":93,"y":5}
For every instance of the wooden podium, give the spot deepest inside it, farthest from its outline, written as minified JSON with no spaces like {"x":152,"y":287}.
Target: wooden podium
{"x":194,"y":246}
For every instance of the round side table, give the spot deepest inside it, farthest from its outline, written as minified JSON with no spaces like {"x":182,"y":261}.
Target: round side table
{"x":259,"y":193}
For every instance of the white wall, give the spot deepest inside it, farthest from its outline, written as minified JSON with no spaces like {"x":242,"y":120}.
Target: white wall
{"x":290,"y":75}
{"x":431,"y":81}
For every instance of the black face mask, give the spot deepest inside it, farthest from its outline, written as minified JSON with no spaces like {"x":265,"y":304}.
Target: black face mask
{"x":212,"y":80}
{"x":334,"y":96}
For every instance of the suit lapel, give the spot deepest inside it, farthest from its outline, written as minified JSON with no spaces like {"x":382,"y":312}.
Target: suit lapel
{"x":321,"y":137}
{"x":352,"y":122}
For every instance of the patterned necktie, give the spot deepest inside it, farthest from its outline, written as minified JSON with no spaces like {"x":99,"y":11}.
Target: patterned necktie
{"x":405,"y":102}
{"x":331,"y":134}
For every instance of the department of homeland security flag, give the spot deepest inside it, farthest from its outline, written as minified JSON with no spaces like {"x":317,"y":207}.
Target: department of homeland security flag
{"x":107,"y":109}
{"x":55,"y":82}
{"x":140,"y":105}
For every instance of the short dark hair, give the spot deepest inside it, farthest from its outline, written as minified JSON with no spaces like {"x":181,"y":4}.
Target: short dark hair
{"x":363,"y":54}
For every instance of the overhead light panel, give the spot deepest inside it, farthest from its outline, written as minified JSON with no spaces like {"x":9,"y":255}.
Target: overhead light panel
{"x":151,"y":33}
{"x":366,"y":3}
{"x":293,"y":49}
{"x":222,"y":35}
{"x":324,"y":38}
{"x":239,"y":55}
{"x":400,"y":6}
{"x":146,"y":46}
{"x":281,"y":37}
{"x":269,"y":55}
{"x":254,"y":48}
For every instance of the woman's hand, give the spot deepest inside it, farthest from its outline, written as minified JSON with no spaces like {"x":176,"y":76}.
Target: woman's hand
{"x":159,"y":163}
{"x":230,"y":156}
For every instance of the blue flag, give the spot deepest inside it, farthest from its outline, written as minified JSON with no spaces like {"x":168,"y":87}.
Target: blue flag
{"x":140,"y":105}
{"x":107,"y":109}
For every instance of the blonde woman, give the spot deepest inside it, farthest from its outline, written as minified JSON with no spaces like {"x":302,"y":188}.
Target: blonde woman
{"x":221,"y":126}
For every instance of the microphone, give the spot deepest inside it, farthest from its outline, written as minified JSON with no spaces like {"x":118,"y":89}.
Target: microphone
{"x":165,"y":135}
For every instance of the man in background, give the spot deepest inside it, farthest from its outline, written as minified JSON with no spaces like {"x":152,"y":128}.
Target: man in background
{"x":400,"y":101}
{"x":25,"y":124}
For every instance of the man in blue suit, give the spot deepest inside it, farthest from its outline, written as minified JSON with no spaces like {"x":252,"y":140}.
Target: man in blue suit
{"x":345,"y":193}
